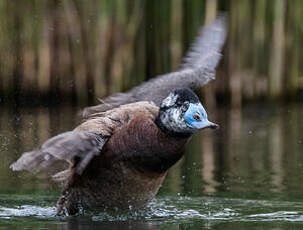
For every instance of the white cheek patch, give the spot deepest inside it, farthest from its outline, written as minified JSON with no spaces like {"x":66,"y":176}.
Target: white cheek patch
{"x":169,"y":100}
{"x":173,"y":120}
{"x":176,"y":116}
{"x":177,"y":122}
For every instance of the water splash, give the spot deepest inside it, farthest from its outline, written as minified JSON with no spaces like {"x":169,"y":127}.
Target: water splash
{"x":27,"y":210}
{"x":178,"y":209}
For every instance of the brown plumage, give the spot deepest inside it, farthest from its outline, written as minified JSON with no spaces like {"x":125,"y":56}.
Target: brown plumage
{"x":120,"y":154}
{"x":127,"y":173}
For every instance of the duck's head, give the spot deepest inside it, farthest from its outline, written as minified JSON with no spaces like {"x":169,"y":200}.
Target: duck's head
{"x":181,"y":114}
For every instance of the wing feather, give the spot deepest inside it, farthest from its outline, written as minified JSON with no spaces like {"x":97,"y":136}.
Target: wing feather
{"x":80,"y":146}
{"x":75,"y":147}
{"x":198,"y":68}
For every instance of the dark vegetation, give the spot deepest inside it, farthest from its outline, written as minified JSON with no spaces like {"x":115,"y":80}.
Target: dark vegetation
{"x":75,"y":51}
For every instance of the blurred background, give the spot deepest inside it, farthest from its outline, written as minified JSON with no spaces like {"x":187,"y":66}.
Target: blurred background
{"x":57,"y":57}
{"x":77,"y":51}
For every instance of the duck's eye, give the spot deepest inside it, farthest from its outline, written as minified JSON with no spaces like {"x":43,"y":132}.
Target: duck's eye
{"x":197,"y":117}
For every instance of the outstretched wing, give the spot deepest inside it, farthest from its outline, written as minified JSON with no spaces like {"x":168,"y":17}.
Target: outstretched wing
{"x":75,"y":147}
{"x":205,"y":52}
{"x":197,"y":69}
{"x":80,"y":146}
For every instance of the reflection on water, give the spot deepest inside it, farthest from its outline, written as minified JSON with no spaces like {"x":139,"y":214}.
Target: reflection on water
{"x":254,"y":161}
{"x":23,"y":130}
{"x":255,"y":154}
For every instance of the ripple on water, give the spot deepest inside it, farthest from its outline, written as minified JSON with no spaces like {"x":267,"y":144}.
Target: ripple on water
{"x":172,"y":209}
{"x":27,"y":210}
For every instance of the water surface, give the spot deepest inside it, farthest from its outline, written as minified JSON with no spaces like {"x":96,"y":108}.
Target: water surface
{"x":246,"y":175}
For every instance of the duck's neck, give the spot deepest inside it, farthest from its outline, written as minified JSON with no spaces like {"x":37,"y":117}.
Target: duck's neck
{"x":166,"y":151}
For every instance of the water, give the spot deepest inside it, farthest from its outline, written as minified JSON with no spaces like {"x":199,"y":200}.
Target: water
{"x":246,"y":175}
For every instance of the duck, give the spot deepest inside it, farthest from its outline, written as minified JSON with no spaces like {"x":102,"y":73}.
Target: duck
{"x":120,"y":154}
